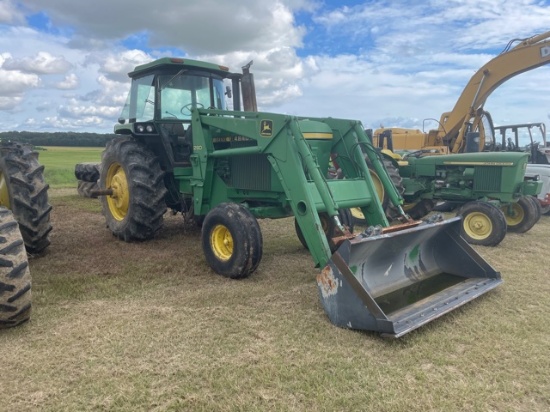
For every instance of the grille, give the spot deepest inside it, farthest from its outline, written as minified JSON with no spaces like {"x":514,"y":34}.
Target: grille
{"x":252,"y":172}
{"x":487,"y":178}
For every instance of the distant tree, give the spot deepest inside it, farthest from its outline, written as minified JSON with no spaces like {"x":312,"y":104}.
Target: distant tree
{"x":58,"y":138}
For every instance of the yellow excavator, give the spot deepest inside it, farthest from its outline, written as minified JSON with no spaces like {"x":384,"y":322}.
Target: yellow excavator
{"x":468,"y":127}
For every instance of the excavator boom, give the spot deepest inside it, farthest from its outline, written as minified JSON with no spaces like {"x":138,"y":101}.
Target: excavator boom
{"x":527,"y":55}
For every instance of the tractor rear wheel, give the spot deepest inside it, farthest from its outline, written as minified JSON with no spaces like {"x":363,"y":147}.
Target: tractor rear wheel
{"x":135,"y":209}
{"x":24,"y":191}
{"x":15,"y":277}
{"x":232,"y":241}
{"x":482,"y":223}
{"x":521,"y":215}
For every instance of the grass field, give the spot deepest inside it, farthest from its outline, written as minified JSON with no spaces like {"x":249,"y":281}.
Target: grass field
{"x":148,"y":327}
{"x":59,"y":163}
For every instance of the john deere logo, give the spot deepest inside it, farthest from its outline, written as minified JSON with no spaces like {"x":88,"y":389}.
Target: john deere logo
{"x":266,"y":128}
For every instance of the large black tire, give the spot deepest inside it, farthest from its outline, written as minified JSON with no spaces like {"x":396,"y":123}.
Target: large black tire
{"x":87,"y":172}
{"x":24,"y":191}
{"x":86,"y":189}
{"x":522,"y":215}
{"x":15,"y":277}
{"x":482,"y":223}
{"x":537,"y":206}
{"x":232,"y":241}
{"x":135,"y":209}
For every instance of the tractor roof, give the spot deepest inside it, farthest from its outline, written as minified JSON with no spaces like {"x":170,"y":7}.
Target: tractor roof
{"x":175,"y":64}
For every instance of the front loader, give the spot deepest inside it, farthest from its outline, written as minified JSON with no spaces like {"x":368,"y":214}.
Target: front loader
{"x":181,"y":148}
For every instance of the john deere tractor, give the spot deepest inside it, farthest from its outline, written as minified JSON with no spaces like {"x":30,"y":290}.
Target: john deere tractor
{"x":180,"y":148}
{"x":489,"y":190}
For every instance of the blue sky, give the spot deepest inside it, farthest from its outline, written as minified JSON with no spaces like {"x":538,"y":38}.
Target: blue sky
{"x":64,"y":63}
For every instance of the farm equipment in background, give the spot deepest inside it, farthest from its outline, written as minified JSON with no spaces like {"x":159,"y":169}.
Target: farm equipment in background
{"x":469,"y":128}
{"x":491,"y":190}
{"x":87,"y":176}
{"x":180,"y":148}
{"x":538,"y":148}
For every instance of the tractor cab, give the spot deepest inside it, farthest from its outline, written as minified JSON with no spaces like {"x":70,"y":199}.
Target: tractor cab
{"x":168,"y":93}
{"x":161,"y":99}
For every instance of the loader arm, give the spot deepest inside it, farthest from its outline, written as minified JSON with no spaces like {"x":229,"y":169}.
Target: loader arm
{"x":527,"y":55}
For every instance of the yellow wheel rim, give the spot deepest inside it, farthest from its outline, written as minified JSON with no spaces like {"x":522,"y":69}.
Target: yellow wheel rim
{"x":477,"y":225}
{"x":378,"y":186}
{"x":120,"y":199}
{"x":4,"y":193}
{"x":357,"y":213}
{"x":221,"y":242}
{"x":514,"y":214}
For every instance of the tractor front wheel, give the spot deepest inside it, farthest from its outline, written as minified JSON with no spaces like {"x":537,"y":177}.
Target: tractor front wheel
{"x":15,"y":277}
{"x":521,"y":215}
{"x":231,"y":241}
{"x":135,"y":208}
{"x":482,"y":223}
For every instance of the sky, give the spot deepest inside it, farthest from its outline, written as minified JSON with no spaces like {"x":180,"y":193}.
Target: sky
{"x":64,"y":63}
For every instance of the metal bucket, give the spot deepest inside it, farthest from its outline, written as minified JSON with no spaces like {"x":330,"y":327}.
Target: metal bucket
{"x":394,"y":283}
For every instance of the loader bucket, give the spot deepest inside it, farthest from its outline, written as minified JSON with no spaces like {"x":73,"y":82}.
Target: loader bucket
{"x":396,"y":282}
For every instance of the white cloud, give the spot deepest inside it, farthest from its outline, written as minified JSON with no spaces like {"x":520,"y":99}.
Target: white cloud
{"x":69,"y":82}
{"x":41,"y":63}
{"x":9,"y":13}
{"x":395,"y":61}
{"x":205,"y":26}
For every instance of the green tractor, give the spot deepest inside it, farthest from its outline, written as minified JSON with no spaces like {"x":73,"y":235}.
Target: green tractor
{"x":181,"y":148}
{"x":489,"y":190}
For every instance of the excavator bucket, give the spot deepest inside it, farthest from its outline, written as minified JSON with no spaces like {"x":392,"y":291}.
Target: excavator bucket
{"x":393,"y":283}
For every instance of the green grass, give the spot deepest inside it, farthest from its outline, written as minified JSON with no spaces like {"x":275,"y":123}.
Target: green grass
{"x":147,"y":326}
{"x":59,"y":163}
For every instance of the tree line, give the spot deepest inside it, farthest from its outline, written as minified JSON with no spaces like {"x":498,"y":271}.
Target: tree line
{"x":58,"y":138}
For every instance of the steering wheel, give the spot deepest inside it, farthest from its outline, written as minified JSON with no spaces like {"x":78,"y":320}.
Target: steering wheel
{"x":186,"y":110}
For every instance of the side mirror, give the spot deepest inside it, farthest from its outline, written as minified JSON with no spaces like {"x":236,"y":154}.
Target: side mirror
{"x":228,"y":92}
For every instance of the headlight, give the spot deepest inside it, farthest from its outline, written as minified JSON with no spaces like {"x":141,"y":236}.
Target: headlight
{"x":144,"y":128}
